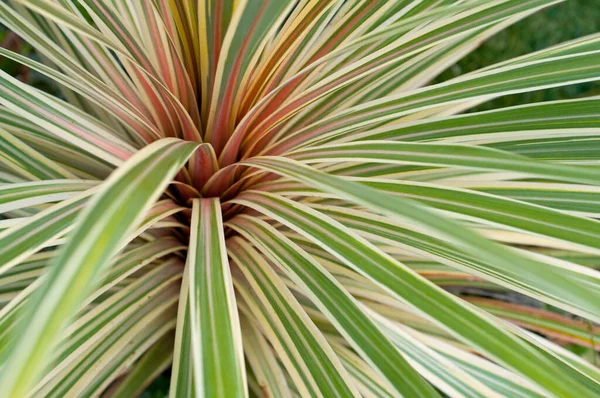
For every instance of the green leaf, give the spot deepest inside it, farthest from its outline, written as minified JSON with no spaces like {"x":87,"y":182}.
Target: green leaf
{"x":553,"y":117}
{"x":182,"y":373}
{"x":263,"y":361}
{"x":393,"y":276}
{"x":459,"y":156}
{"x":310,"y":361}
{"x":215,"y":331}
{"x":151,"y":365}
{"x":113,"y":214}
{"x":338,"y":304}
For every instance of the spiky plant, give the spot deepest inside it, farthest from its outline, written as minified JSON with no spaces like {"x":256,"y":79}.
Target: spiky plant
{"x":269,"y":197}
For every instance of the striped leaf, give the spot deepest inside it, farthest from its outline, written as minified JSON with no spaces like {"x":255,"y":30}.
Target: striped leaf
{"x":357,"y":253}
{"x":276,"y":199}
{"x":218,"y":361}
{"x":310,"y":361}
{"x":139,"y":183}
{"x":338,"y":304}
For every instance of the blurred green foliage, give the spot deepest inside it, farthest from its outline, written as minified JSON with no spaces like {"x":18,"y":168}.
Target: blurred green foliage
{"x":12,"y":42}
{"x":159,"y":387}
